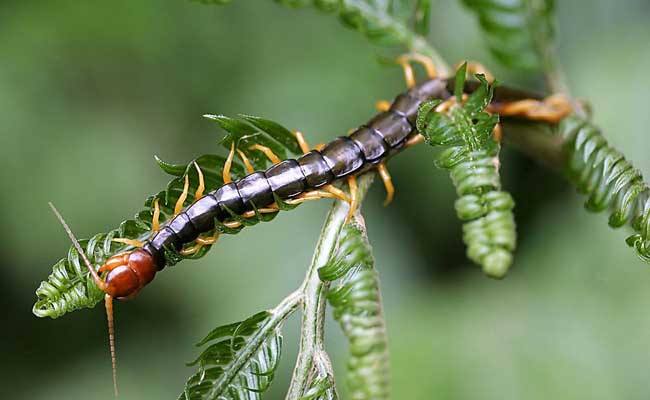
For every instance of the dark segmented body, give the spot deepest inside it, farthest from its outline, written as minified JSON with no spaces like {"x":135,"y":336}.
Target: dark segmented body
{"x":372,"y":143}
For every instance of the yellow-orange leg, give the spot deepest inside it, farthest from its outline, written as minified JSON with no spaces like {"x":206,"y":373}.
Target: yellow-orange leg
{"x":409,"y":75}
{"x":300,"y":138}
{"x":447,"y":104}
{"x":205,"y":241}
{"x":388,"y":183}
{"x":415,"y":139}
{"x":200,"y":242}
{"x":227,"y":178}
{"x":552,"y":109}
{"x":267,"y":152}
{"x":188,"y":251}
{"x":114,"y":262}
{"x":129,"y":242}
{"x":311,"y":195}
{"x":232,"y":224}
{"x":497,"y":132}
{"x":247,"y":163}
{"x":264,"y":210}
{"x":181,"y":199}
{"x":382,"y":105}
{"x":354,"y":197}
{"x":199,"y":190}
{"x":155,"y":219}
{"x":338,"y":193}
{"x":250,"y":214}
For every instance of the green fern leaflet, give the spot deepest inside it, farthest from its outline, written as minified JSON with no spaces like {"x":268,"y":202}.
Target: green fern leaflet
{"x":611,"y":182}
{"x":519,"y":33}
{"x":358,"y":309}
{"x":239,"y":362}
{"x":471,"y":156}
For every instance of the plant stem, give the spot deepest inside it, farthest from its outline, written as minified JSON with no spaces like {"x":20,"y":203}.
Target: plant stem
{"x":538,"y":141}
{"x":314,"y":294}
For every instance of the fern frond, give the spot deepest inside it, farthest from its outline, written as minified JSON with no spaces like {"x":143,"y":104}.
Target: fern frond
{"x":239,"y":362}
{"x":519,"y":33}
{"x":70,"y":286}
{"x":611,"y":182}
{"x":357,"y":307}
{"x":471,"y":155}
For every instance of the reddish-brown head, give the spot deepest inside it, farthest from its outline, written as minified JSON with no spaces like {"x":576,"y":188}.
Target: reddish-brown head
{"x":128,"y":273}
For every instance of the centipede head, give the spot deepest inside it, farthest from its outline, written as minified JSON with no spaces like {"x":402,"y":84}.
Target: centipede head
{"x":128,"y":273}
{"x":108,"y":299}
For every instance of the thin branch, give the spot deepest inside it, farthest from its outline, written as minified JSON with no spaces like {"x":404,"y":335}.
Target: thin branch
{"x":288,"y":305}
{"x":538,"y":141}
{"x":314,"y":301}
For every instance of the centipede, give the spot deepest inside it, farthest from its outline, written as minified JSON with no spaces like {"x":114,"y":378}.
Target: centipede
{"x":318,"y":173}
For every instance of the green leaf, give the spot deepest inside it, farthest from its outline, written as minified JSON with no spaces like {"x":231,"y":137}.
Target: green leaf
{"x":171,"y":169}
{"x":519,"y":33}
{"x":276,"y":131}
{"x":357,"y":307}
{"x":69,"y":287}
{"x":239,"y":361}
{"x":422,"y":16}
{"x":471,"y":156}
{"x":235,"y":128}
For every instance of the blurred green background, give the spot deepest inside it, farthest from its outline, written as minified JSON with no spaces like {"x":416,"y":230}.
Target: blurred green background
{"x":90,"y":91}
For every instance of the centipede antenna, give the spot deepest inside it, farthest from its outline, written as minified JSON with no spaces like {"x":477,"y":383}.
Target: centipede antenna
{"x":108,"y":300}
{"x":77,"y":246}
{"x":108,"y":303}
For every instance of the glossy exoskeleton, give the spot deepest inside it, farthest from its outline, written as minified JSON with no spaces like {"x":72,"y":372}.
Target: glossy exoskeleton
{"x":380,"y":138}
